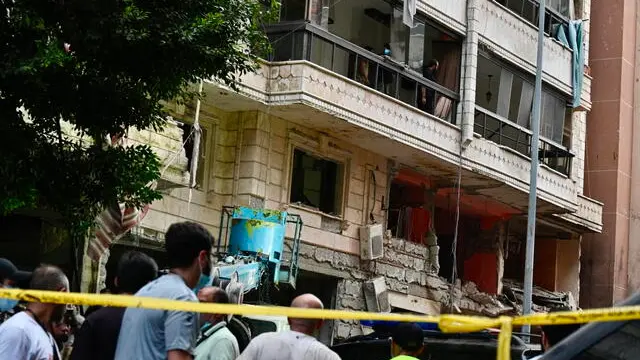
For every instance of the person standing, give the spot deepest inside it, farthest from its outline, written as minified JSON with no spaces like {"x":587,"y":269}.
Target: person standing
{"x":159,"y":334}
{"x":407,"y":342}
{"x":216,"y":342}
{"x":296,"y":344}
{"x":10,"y":277}
{"x":27,"y":335}
{"x":98,"y":336}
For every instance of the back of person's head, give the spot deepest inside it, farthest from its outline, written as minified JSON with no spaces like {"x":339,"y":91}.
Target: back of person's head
{"x":135,"y":270}
{"x":49,"y":277}
{"x":553,"y":334}
{"x":408,"y":339}
{"x":184,"y":241}
{"x":213,"y":294}
{"x":306,"y":326}
{"x":216,"y":295}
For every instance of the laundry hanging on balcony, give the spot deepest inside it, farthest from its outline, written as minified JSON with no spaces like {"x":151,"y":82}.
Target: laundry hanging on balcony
{"x":571,"y":35}
{"x":409,"y":11}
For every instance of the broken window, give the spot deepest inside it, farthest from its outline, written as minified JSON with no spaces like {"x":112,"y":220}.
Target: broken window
{"x":316,"y":182}
{"x":188,"y":143}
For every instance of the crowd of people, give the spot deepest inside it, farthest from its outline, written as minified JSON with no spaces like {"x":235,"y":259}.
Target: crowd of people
{"x":42,"y":331}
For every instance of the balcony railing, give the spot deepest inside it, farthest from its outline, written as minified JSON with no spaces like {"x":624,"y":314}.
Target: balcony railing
{"x":304,"y":41}
{"x":506,"y":133}
{"x":528,"y":10}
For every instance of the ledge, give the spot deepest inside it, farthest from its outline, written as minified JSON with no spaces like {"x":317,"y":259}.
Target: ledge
{"x":588,"y":216}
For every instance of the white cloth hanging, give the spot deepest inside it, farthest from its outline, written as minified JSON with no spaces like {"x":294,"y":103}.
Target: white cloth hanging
{"x":409,"y":12}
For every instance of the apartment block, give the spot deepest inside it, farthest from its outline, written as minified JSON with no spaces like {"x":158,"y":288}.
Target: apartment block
{"x":348,"y":123}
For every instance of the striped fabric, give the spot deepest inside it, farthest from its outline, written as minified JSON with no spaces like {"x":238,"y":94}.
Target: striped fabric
{"x":115,"y":220}
{"x":112,"y":224}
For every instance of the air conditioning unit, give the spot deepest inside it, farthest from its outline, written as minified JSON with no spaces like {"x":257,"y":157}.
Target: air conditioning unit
{"x":371,"y":242}
{"x":376,"y":295}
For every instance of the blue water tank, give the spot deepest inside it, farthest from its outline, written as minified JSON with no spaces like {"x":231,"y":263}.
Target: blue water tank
{"x":258,"y":231}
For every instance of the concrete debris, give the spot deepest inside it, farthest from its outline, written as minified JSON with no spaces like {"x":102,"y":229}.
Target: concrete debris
{"x":543,"y":300}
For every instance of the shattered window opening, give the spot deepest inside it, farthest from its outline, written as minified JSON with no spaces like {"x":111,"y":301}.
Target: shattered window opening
{"x":188,"y":142}
{"x":316,"y":182}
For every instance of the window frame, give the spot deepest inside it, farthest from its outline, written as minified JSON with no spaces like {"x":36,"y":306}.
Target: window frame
{"x":315,"y":149}
{"x":208,"y":151}
{"x":546,"y":88}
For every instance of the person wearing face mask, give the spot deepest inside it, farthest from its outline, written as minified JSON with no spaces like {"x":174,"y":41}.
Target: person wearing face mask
{"x":172,"y":335}
{"x":27,"y":335}
{"x":10,"y":277}
{"x":216,"y":342}
{"x":297,"y":344}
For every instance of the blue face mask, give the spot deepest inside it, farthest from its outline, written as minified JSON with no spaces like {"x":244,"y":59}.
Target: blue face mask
{"x":7,"y":304}
{"x":204,"y":281}
{"x":387,"y":51}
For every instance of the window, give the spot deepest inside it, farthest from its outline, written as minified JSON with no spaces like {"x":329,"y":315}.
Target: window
{"x":556,"y":11}
{"x":316,"y":182}
{"x":377,"y":26}
{"x":510,"y":95}
{"x":187,"y":140}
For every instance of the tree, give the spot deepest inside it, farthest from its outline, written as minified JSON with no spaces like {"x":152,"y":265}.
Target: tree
{"x":104,"y":66}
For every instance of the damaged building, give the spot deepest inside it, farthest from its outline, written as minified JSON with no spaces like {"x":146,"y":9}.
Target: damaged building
{"x":412,"y":183}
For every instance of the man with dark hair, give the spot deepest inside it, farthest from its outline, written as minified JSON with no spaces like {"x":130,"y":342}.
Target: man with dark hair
{"x":158,"y":334}
{"x":216,"y":342}
{"x":27,"y":335}
{"x":553,"y":334}
{"x":98,"y":337}
{"x":407,"y":342}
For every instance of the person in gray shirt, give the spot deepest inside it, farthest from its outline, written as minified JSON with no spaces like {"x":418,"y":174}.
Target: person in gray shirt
{"x":296,"y":344}
{"x":162,"y":334}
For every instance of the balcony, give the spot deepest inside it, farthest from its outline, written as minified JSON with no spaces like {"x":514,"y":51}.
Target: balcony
{"x":304,"y":41}
{"x":508,"y":134}
{"x":528,"y":10}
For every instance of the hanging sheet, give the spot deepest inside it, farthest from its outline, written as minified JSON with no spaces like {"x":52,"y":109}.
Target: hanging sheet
{"x":572,"y":36}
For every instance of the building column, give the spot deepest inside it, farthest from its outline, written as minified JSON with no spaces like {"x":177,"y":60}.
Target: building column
{"x":470,"y":70}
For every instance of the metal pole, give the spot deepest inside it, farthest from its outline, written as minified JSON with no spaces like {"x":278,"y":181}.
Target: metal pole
{"x":533,"y":179}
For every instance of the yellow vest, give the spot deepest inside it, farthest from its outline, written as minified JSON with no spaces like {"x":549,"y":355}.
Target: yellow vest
{"x":405,"y":357}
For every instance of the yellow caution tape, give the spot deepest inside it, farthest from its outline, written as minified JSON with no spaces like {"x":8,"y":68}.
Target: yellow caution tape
{"x":447,"y":323}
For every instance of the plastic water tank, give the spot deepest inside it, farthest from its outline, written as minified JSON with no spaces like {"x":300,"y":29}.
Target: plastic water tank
{"x":258,"y":231}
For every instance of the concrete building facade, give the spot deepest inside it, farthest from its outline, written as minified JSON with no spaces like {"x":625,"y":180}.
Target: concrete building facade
{"x":346,"y":138}
{"x":612,"y":258}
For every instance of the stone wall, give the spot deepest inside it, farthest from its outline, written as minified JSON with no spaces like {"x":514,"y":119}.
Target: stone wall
{"x":407,"y":271}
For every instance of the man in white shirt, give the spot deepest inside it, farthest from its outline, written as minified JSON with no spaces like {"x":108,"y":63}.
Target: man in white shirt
{"x":215,"y":342}
{"x":297,"y":344}
{"x":27,"y":335}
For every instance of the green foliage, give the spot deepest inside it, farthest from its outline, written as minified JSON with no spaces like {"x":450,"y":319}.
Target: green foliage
{"x":126,"y":57}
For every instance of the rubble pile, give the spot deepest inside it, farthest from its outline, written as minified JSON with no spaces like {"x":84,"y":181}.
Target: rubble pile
{"x":468,"y":300}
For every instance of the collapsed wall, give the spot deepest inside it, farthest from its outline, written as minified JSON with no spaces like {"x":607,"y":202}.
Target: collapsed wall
{"x":407,"y":272}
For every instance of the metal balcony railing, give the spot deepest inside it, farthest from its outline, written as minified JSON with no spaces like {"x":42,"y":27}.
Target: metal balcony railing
{"x":506,"y":133}
{"x":528,"y":10}
{"x":305,"y":41}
